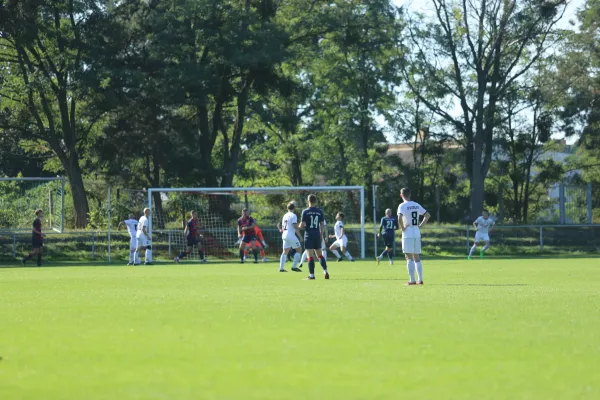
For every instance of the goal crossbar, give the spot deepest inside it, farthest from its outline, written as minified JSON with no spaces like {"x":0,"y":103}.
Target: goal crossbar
{"x":274,"y":189}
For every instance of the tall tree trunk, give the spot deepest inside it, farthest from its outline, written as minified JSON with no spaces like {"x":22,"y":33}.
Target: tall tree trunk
{"x":344,"y":162}
{"x":477,"y":190}
{"x":158,"y":210}
{"x":80,"y":201}
{"x":232,"y":154}
{"x":296,"y":169}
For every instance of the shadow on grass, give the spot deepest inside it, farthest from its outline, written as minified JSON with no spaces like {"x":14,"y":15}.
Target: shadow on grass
{"x":92,"y":265}
{"x":481,"y":284}
{"x":369,"y":279}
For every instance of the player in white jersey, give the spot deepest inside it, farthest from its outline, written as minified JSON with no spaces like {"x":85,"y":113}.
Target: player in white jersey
{"x":143,"y":238}
{"x":323,"y":246}
{"x":483,"y":225}
{"x":409,"y":216}
{"x":131,"y":224}
{"x":341,"y":240}
{"x":289,"y":234}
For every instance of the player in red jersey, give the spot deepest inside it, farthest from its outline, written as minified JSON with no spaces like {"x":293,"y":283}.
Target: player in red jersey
{"x":37,"y":239}
{"x":193,"y":236}
{"x":247,"y":232}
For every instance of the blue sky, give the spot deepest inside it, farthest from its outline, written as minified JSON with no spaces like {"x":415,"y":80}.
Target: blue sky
{"x":426,"y":6}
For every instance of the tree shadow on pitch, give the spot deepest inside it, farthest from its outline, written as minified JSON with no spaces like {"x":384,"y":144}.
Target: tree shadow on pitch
{"x":369,"y":279}
{"x":481,"y":284}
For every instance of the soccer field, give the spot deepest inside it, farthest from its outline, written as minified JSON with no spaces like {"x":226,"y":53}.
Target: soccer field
{"x":492,"y":329}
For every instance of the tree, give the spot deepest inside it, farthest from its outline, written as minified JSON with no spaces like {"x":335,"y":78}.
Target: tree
{"x":43,"y":48}
{"x":579,"y":81}
{"x":525,"y":127}
{"x":471,"y":53}
{"x":355,"y":77}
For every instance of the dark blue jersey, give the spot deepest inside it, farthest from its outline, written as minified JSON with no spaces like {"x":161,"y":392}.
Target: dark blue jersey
{"x":388,"y":225}
{"x":193,"y":225}
{"x":37,"y":225}
{"x":312,"y":217}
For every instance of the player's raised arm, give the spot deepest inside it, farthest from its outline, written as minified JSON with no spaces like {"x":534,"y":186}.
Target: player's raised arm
{"x":475,"y":224}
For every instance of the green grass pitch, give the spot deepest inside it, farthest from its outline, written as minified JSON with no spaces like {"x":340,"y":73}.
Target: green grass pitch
{"x":492,"y":329}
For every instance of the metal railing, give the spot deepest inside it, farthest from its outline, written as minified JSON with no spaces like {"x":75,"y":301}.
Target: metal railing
{"x":506,"y":240}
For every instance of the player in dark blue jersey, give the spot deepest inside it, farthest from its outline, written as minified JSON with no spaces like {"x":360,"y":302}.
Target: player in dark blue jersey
{"x":312,"y":223}
{"x":37,"y":239}
{"x":387,"y":230}
{"x":193,"y":237}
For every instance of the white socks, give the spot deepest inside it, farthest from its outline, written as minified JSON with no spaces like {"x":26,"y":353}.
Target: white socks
{"x":131,"y":256}
{"x":282,"y":261}
{"x":411,"y":270}
{"x":325,"y":254}
{"x":148,"y":256}
{"x":472,"y":250}
{"x":296,"y":259}
{"x":420,"y":270}
{"x":487,"y":246}
{"x":304,"y":257}
{"x":336,"y":253}
{"x":348,"y":255}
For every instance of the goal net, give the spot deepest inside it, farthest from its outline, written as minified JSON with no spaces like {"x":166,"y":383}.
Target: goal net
{"x":20,"y":197}
{"x":219,"y":208}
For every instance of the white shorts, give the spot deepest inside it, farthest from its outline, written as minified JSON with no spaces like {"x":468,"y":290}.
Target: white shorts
{"x":290,"y":242}
{"x":343,"y":242}
{"x":482,"y":237}
{"x":133,"y":243}
{"x":411,"y":245}
{"x":142,"y":240}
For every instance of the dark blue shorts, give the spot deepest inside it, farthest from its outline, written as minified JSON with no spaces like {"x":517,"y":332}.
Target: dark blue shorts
{"x":37,"y":243}
{"x":248,"y":238}
{"x":312,"y":241}
{"x":388,"y":240}
{"x":192,"y":241}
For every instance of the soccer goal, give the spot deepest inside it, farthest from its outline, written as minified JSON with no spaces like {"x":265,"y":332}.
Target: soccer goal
{"x":20,"y":197}
{"x":219,"y":209}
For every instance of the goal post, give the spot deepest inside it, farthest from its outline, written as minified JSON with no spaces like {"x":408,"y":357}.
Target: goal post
{"x":20,"y":197}
{"x":219,"y":209}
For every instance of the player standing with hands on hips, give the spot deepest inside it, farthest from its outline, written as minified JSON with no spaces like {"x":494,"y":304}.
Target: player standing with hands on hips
{"x":409,"y":214}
